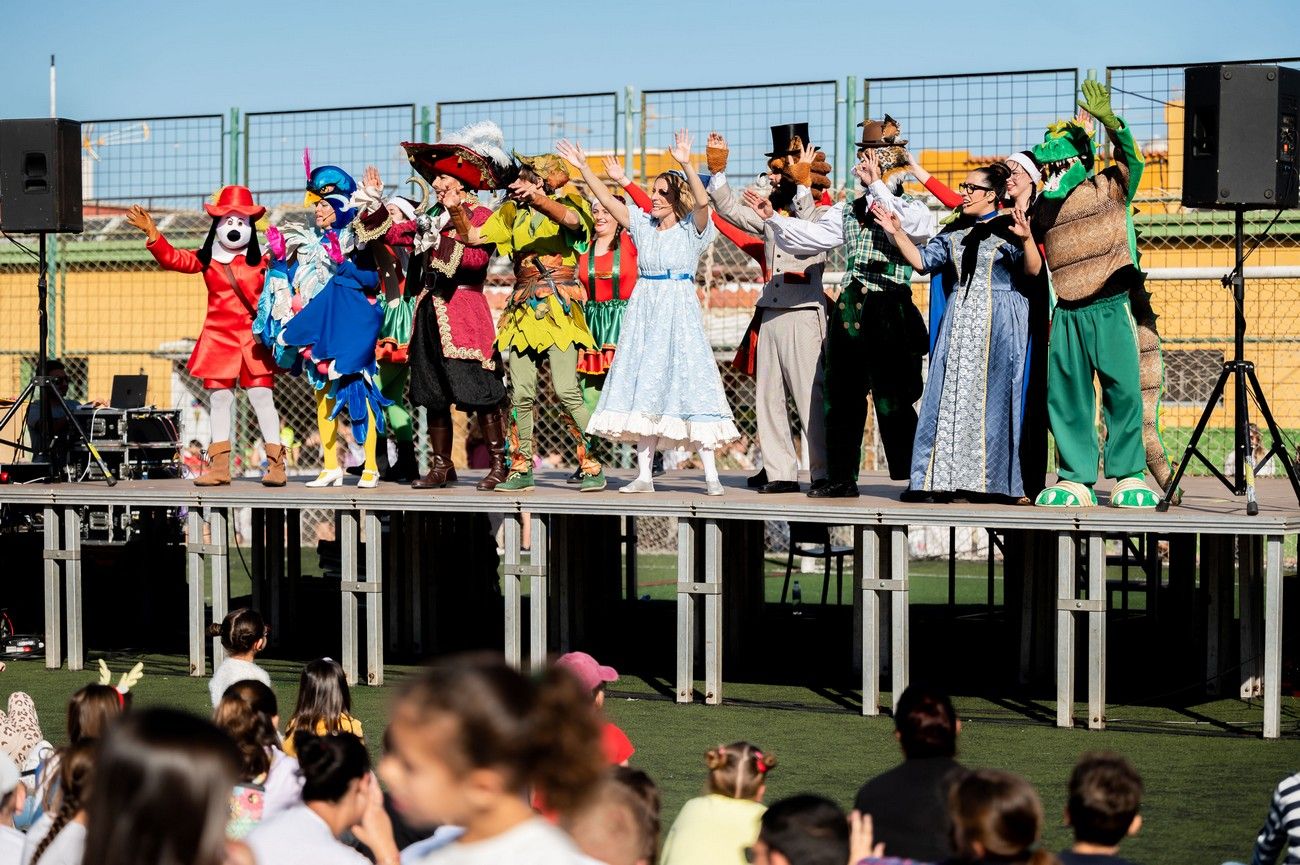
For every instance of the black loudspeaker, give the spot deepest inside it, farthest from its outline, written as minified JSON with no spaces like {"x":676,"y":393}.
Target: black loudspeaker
{"x":40,"y":176}
{"x":1239,"y":137}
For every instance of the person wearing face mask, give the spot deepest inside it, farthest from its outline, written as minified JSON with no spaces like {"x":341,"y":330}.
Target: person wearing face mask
{"x":543,"y":226}
{"x":968,"y":436}
{"x":320,"y":312}
{"x":226,"y":353}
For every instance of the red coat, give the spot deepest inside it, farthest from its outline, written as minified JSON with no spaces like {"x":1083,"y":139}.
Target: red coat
{"x":226,"y":343}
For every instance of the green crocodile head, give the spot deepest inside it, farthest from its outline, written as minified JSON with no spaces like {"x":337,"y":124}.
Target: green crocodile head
{"x":1066,"y":157}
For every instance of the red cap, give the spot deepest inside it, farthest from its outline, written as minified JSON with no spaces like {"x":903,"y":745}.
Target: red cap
{"x":235,"y":199}
{"x":588,"y":672}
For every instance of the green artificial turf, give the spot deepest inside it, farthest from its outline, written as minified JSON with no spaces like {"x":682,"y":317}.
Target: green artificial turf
{"x":1208,"y":786}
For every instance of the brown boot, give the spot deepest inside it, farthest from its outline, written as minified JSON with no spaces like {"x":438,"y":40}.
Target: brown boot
{"x":218,"y":473}
{"x":441,"y":470}
{"x":493,"y":425}
{"x":274,"y":476}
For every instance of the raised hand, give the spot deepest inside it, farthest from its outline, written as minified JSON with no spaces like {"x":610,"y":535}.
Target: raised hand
{"x":681,"y":150}
{"x":572,"y":153}
{"x":371,"y":178}
{"x":759,"y":204}
{"x":1020,"y":224}
{"x":448,"y":190}
{"x":868,"y":168}
{"x":140,"y":218}
{"x":862,"y":840}
{"x":715,"y":153}
{"x":886,"y":218}
{"x":1096,"y":101}
{"x":614,"y":170}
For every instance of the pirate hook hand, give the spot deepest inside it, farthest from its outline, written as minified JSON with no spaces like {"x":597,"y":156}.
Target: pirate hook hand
{"x":140,"y":218}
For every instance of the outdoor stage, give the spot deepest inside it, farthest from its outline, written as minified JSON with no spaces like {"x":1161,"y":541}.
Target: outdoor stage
{"x":1049,"y":546}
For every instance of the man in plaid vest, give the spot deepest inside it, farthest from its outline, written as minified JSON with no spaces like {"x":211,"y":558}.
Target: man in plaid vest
{"x":876,"y":336}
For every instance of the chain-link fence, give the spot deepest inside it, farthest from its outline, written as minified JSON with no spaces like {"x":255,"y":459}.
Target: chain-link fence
{"x":1187,"y":252}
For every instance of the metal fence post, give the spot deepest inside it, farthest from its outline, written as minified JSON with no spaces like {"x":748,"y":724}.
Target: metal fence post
{"x":850,"y":124}
{"x":234,"y":147}
{"x":425,"y":121}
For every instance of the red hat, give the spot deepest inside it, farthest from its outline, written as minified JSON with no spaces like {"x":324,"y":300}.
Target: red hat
{"x":585,"y":668}
{"x":235,"y":199}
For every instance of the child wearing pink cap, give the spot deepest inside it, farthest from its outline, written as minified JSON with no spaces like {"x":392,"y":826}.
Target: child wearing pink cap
{"x":594,"y":676}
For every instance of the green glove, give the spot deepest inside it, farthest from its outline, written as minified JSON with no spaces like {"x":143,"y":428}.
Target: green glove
{"x":1096,"y":101}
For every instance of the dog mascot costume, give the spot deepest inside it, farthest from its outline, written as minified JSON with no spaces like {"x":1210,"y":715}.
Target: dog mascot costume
{"x":226,"y":353}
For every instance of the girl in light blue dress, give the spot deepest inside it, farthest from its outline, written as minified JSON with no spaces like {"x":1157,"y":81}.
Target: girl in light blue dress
{"x":663,"y":389}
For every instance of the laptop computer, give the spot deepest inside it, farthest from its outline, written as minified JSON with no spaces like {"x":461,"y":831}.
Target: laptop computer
{"x":129,"y":391}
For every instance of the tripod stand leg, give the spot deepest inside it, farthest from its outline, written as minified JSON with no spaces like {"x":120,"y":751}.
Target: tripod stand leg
{"x":1195,"y":439}
{"x":13,"y":410}
{"x":1279,"y":443}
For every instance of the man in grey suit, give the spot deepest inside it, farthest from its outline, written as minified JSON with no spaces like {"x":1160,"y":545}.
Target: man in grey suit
{"x":791,"y":315}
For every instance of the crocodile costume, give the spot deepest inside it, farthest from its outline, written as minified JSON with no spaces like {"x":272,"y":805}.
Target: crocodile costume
{"x":1103,"y":326}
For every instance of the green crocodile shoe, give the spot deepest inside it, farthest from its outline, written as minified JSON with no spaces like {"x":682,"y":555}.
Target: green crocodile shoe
{"x":517,"y":482}
{"x":593,"y":483}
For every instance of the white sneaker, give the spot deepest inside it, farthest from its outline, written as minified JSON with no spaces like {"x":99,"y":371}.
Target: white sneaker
{"x":714,"y":487}
{"x":638,"y":486}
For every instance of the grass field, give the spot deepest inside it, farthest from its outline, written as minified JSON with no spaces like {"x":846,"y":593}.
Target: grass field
{"x":1207,"y":790}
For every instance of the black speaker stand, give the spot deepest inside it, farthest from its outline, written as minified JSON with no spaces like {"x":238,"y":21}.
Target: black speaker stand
{"x":43,"y":388}
{"x":1242,"y":373}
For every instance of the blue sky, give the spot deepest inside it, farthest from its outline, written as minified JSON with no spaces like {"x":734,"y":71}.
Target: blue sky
{"x":121,"y":58}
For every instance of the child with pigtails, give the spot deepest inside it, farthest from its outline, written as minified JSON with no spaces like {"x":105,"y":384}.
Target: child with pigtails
{"x":715,"y":829}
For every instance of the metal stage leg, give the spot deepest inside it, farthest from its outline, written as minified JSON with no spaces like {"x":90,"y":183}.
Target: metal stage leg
{"x":1066,"y":599}
{"x":72,"y":586}
{"x":373,"y":585}
{"x":1097,"y":598}
{"x":866,"y":570}
{"x":52,"y":536}
{"x":348,"y":551}
{"x":194,"y":554}
{"x":1273,"y":637}
{"x":712,"y":612}
{"x":686,"y":587}
{"x":900,"y":638}
{"x":1251,"y":594}
{"x":511,"y":531}
{"x":538,"y":596}
{"x":858,"y":532}
{"x":219,"y":521}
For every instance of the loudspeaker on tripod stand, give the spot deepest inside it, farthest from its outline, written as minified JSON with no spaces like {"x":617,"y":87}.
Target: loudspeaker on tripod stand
{"x":1240,"y":137}
{"x":40,"y":176}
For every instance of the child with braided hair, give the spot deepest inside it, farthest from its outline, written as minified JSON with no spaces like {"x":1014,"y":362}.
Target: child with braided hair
{"x":59,"y":836}
{"x":715,"y":829}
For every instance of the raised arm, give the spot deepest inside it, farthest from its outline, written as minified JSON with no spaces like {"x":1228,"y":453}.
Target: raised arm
{"x":723,"y":197}
{"x":682,"y":153}
{"x":614,"y":171}
{"x":179,"y":260}
{"x":573,"y":154}
{"x":1033,"y":262}
{"x":1129,"y":162}
{"x":936,"y":187}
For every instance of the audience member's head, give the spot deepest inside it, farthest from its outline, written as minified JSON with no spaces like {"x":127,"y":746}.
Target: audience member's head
{"x":471,"y":732}
{"x":13,"y":792}
{"x":996,"y":816}
{"x":243,"y":632}
{"x":1105,"y":796}
{"x":92,"y":709}
{"x":68,"y":798}
{"x":336,"y":779}
{"x":323,"y":698}
{"x":925,"y":723}
{"x":738,"y":770}
{"x":247,"y":713}
{"x":620,"y":823}
{"x":161,"y":793}
{"x":592,"y":675}
{"x":802,"y":830}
